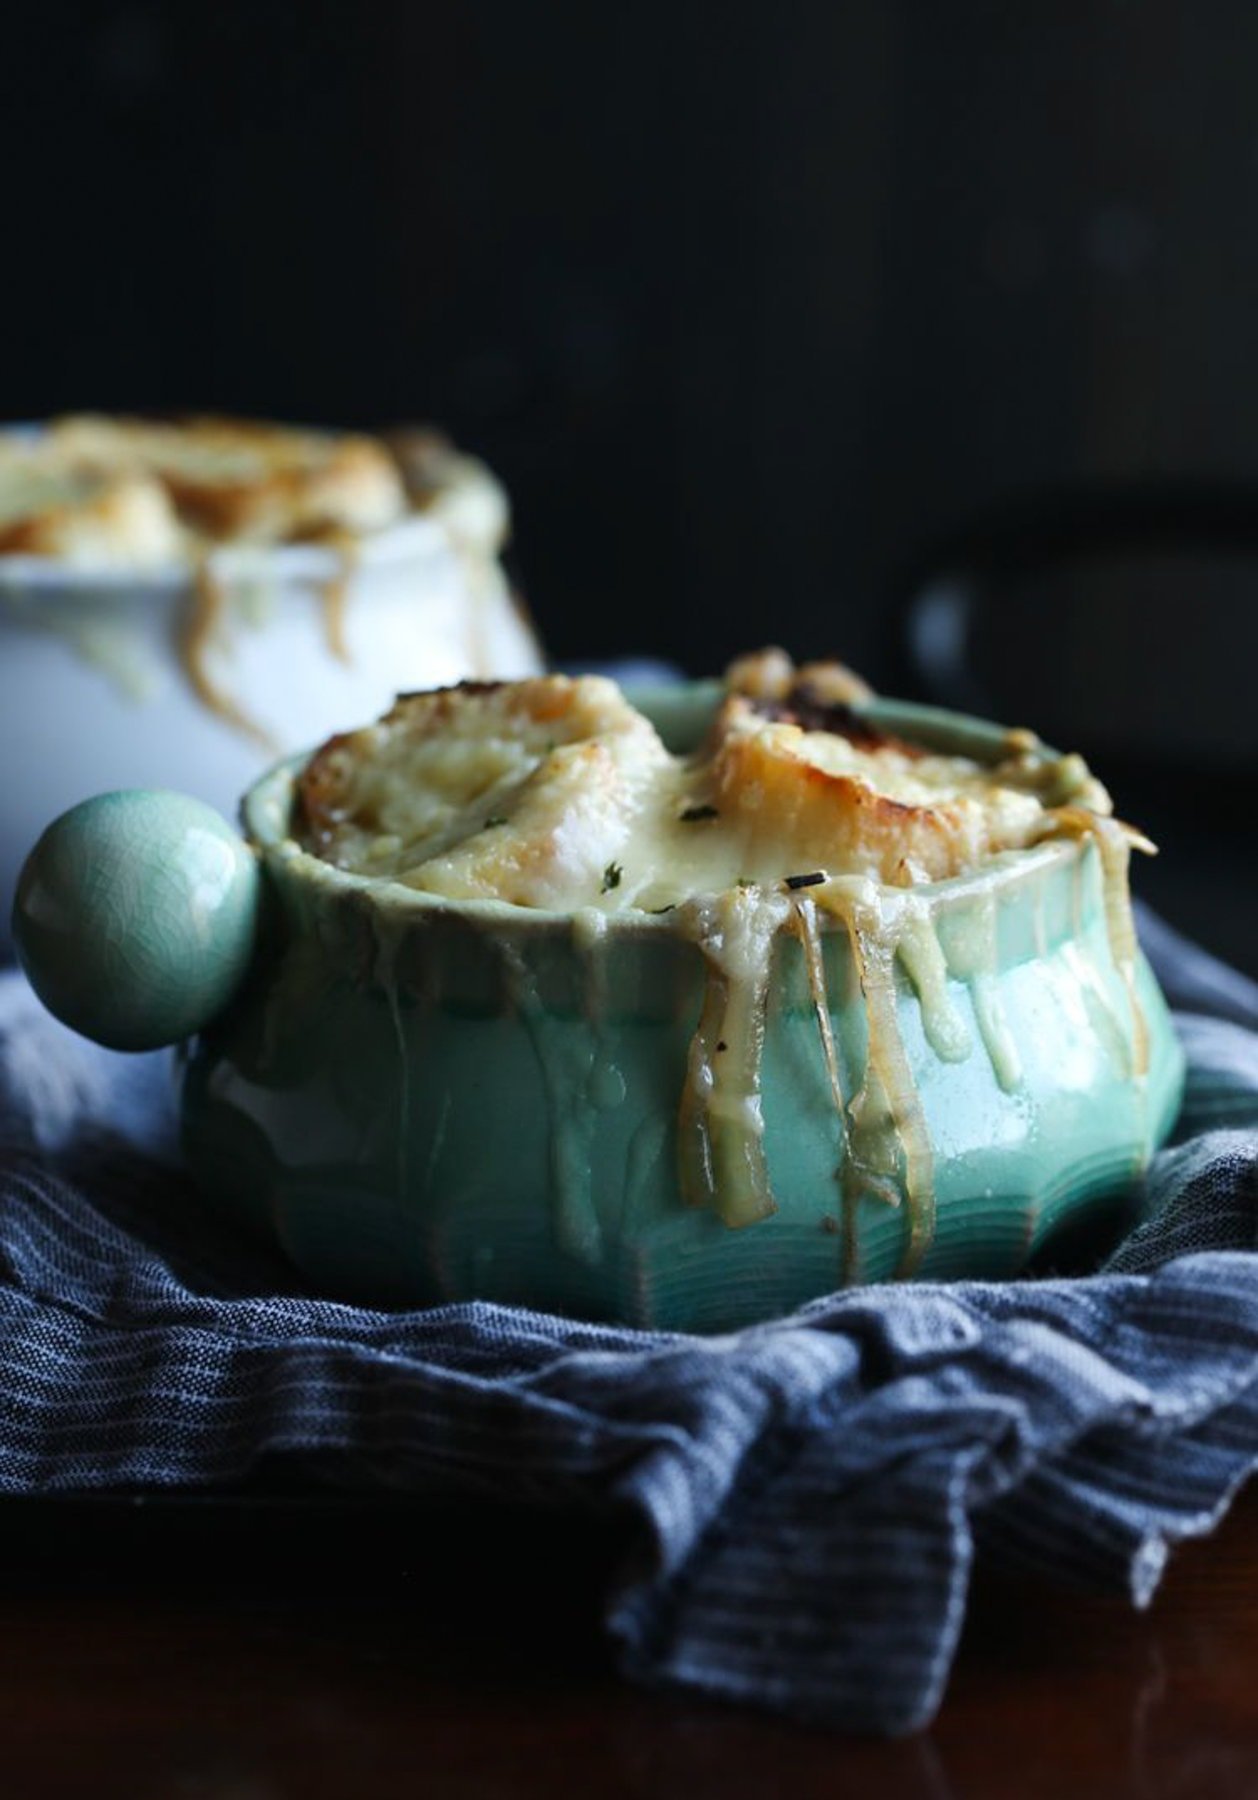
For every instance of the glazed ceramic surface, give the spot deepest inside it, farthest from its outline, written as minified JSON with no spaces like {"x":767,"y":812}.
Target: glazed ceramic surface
{"x":140,"y":912}
{"x":427,"y":1100}
{"x":97,"y":688}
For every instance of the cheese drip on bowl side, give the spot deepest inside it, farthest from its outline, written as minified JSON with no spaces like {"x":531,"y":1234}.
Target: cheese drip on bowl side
{"x":796,"y":814}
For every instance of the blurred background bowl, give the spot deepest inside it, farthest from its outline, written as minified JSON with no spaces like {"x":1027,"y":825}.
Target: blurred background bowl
{"x":196,"y":677}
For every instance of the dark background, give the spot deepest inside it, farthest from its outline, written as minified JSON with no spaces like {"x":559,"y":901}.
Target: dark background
{"x":767,"y":316}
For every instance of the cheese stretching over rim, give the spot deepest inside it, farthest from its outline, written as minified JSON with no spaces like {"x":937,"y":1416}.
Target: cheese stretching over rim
{"x":796,"y":814}
{"x":229,"y":481}
{"x":556,"y":793}
{"x":216,"y":481}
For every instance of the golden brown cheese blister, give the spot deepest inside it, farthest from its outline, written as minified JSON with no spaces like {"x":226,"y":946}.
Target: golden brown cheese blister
{"x":82,"y":517}
{"x":526,"y":791}
{"x":818,"y":784}
{"x":235,"y":480}
{"x":789,"y":781}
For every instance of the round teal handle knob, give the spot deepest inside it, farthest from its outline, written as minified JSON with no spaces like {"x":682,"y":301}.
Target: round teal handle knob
{"x":135,"y":917}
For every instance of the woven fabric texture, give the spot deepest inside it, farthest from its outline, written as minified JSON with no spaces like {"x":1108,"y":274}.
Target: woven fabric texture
{"x":805,"y":1499}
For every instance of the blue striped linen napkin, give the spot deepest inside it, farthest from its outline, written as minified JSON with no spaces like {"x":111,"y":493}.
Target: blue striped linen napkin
{"x":805,"y":1499}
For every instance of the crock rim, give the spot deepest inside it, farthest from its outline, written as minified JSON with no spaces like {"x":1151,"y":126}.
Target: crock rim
{"x":267,"y":806}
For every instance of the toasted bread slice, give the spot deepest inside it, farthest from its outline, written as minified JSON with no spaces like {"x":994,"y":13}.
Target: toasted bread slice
{"x":51,"y":508}
{"x":556,"y":792}
{"x":522,"y":791}
{"x":794,"y":758}
{"x":770,"y":675}
{"x":850,"y":801}
{"x":238,"y":480}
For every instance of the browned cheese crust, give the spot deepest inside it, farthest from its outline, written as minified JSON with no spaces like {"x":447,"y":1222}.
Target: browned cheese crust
{"x":529,"y":791}
{"x":234,"y":479}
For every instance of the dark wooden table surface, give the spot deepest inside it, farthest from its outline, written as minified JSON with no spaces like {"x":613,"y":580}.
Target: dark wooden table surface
{"x":276,"y":1650}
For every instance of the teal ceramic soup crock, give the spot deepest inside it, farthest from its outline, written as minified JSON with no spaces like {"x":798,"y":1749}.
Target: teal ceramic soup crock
{"x":426,"y":1100}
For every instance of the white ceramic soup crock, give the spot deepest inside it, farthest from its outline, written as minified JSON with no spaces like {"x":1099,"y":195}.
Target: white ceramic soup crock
{"x":117,"y":678}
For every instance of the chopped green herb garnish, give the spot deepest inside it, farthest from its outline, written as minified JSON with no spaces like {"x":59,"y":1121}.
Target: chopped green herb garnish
{"x":799,"y":881}
{"x":744,"y":883}
{"x":655,"y":911}
{"x":693,"y":814}
{"x":493,"y":820}
{"x":611,"y":877}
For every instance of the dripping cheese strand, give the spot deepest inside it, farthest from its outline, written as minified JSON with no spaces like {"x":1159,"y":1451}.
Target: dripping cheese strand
{"x":335,"y":595}
{"x":1114,"y":842}
{"x":974,"y":959}
{"x":808,"y":931}
{"x":207,"y":615}
{"x":720,"y":1123}
{"x":695,"y":1170}
{"x":1115,"y":852}
{"x":564,"y":1070}
{"x":886,"y":1069}
{"x":921,"y":953}
{"x":202,"y":624}
{"x":810,"y":942}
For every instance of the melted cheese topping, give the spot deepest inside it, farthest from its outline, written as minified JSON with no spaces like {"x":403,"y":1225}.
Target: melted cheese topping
{"x":795,"y":812}
{"x":525,"y":792}
{"x":531,"y":792}
{"x":221,"y":480}
{"x":234,"y":480}
{"x":80,"y":516}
